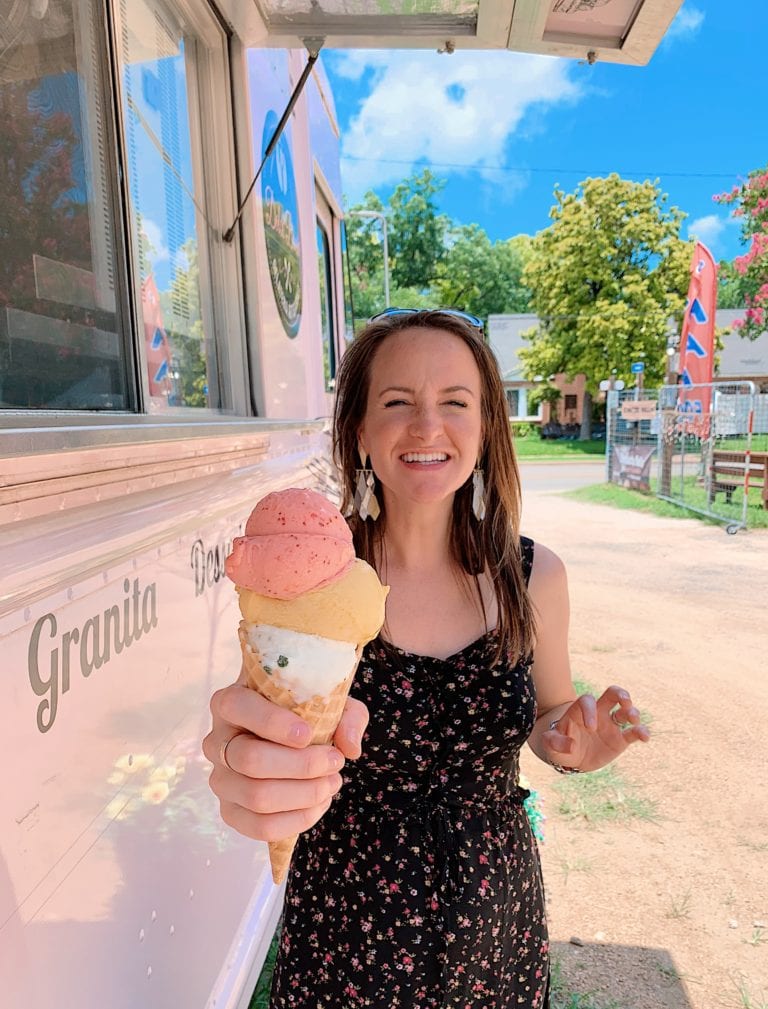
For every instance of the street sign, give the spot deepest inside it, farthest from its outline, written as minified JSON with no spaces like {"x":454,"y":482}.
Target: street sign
{"x":637,"y":367}
{"x":638,"y":409}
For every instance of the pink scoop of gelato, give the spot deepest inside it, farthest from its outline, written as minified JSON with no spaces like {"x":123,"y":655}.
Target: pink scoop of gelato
{"x":295,"y":541}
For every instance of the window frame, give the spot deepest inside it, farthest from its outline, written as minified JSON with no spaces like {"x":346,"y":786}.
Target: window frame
{"x":208,"y":91}
{"x":328,"y":212}
{"x":216,"y":158}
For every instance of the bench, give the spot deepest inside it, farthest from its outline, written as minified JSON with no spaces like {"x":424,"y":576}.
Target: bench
{"x":728,"y":468}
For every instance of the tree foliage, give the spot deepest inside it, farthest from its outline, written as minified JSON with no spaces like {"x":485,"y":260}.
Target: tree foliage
{"x":750,"y":201}
{"x":731,"y":286}
{"x":481,"y":276}
{"x":605,"y":278}
{"x":42,"y":212}
{"x":434,"y":262}
{"x":418,"y":232}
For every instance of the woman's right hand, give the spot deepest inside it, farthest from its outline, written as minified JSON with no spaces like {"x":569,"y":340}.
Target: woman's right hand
{"x":273,"y":784}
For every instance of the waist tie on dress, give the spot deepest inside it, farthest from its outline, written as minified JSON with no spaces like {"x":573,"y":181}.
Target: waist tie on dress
{"x":434,"y":809}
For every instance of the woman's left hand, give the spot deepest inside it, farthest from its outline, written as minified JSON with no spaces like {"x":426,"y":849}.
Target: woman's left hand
{"x":591,"y":733}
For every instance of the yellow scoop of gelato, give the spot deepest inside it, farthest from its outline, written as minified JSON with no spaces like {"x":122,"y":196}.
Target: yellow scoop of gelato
{"x":349,"y":609}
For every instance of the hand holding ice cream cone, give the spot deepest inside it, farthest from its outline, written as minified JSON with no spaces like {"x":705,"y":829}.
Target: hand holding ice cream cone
{"x":309,"y":606}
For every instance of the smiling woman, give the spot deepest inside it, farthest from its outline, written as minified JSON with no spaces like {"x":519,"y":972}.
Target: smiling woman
{"x":422,"y":866}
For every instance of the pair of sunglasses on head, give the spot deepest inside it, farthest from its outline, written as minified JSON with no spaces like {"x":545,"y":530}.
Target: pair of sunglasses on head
{"x":388,"y":312}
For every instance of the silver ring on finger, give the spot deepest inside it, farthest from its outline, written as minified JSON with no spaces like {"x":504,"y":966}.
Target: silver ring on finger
{"x":617,"y":721}
{"x":224,"y":749}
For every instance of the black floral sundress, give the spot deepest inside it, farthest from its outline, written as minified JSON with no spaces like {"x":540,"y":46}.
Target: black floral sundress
{"x":420,"y":888}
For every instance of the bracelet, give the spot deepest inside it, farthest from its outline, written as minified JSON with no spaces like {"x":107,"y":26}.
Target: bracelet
{"x":559,"y":767}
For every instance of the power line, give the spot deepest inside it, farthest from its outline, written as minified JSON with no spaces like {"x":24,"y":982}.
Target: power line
{"x":545,"y":171}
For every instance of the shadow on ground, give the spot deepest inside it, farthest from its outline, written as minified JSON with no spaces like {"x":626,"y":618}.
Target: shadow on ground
{"x":605,"y":976}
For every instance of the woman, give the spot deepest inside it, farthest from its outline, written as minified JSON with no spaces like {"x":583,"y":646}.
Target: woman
{"x":417,"y":881}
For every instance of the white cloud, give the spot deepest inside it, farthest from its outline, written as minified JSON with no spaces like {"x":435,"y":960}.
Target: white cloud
{"x":687,"y":22}
{"x":160,"y":253}
{"x":708,"y":229}
{"x":451,"y":110}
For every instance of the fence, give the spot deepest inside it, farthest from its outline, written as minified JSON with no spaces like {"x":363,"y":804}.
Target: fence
{"x":699,"y":446}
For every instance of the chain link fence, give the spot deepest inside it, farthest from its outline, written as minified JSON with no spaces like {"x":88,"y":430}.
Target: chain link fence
{"x":703,"y":447}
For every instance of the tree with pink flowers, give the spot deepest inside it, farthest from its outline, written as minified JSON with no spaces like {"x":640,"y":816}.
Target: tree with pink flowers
{"x":750,"y":199}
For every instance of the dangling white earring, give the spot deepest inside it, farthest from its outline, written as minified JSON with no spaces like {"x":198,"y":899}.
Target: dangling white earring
{"x":478,"y":494}
{"x":365,"y":502}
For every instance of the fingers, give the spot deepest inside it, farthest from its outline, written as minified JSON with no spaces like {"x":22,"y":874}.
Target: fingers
{"x":237,"y":705}
{"x":637,"y":733}
{"x":258,"y":758}
{"x":268,"y":795}
{"x":273,"y":826}
{"x":351,"y":729}
{"x":617,"y":703}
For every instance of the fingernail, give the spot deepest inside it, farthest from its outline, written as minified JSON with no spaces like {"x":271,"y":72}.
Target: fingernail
{"x":354,"y":738}
{"x":335,"y":761}
{"x":300,"y":733}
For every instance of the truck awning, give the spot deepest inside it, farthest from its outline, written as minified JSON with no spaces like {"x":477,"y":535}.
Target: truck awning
{"x":616,"y":31}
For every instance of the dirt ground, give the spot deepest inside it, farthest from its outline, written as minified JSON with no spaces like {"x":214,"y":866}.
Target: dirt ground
{"x":671,"y":912}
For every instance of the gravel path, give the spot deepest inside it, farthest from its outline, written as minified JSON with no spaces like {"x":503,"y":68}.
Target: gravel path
{"x":671,"y":912}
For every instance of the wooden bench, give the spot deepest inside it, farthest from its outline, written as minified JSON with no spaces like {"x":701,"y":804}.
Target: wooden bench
{"x":728,"y":473}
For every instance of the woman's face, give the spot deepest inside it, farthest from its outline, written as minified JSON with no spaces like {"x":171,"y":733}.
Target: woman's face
{"x":423,"y":424}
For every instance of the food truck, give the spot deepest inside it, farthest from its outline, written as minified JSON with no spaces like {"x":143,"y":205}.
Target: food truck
{"x":172,"y":312}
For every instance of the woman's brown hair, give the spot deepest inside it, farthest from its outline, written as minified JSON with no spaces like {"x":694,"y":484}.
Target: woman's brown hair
{"x":492,"y":544}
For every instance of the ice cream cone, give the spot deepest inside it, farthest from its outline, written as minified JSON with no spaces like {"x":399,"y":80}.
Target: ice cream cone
{"x":309,"y":607}
{"x":322,"y":714}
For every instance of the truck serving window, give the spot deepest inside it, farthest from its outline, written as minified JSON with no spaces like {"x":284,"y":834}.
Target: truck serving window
{"x":327,"y":307}
{"x":169,"y":216}
{"x":112,"y":281}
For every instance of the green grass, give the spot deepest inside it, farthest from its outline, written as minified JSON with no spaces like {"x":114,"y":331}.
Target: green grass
{"x":759,"y":443}
{"x":533,"y":447}
{"x":602,"y":796}
{"x":260,"y":997}
{"x":622,"y":497}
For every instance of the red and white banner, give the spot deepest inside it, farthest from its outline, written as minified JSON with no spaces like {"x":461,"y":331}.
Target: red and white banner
{"x":157,"y":347}
{"x":697,"y":340}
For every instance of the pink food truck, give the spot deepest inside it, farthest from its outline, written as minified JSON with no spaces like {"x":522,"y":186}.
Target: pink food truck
{"x":169,"y":335}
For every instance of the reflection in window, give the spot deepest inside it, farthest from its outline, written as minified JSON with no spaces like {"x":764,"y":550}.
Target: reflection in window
{"x":60,"y":346}
{"x":513,"y":402}
{"x":326,"y":306}
{"x":168,"y":217}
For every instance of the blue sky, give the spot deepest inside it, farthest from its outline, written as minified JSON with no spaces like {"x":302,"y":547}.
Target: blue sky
{"x":504,"y":128}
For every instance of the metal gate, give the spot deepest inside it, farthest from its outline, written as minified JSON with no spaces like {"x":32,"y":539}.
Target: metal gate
{"x":691,"y":445}
{"x":632,"y":427}
{"x":704,"y":454}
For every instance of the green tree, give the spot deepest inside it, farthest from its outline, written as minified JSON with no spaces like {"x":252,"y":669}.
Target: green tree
{"x":365,"y":250}
{"x":605,"y":278}
{"x":183,"y":323}
{"x":417,"y":239}
{"x":751,"y":205}
{"x":480,"y":276}
{"x":731,"y":286}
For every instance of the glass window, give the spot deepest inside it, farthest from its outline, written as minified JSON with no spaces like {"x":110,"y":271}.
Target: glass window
{"x":513,"y":401}
{"x":571,"y":401}
{"x":326,"y":306}
{"x":60,"y":335}
{"x":168,"y":215}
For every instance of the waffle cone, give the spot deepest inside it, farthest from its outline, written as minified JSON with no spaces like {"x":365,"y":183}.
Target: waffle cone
{"x":321,"y":713}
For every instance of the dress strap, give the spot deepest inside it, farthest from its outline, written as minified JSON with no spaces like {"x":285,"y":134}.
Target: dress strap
{"x":526,"y":551}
